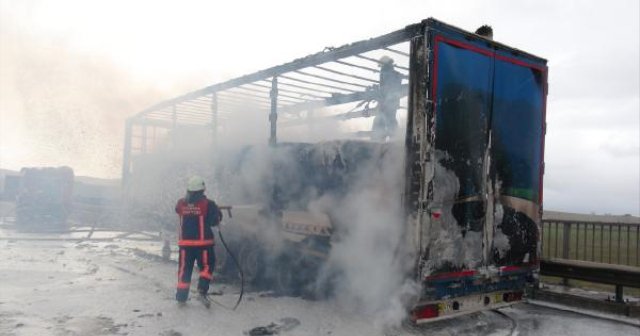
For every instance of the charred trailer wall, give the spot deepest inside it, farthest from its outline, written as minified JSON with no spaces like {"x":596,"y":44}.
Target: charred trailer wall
{"x":475,"y":162}
{"x":292,"y":176}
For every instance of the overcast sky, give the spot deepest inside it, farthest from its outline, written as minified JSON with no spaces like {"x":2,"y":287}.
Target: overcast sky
{"x":72,"y":71}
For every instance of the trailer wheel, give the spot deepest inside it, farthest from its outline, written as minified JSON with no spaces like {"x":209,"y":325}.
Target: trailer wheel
{"x":221,"y":258}
{"x":249,"y":259}
{"x":285,"y":280}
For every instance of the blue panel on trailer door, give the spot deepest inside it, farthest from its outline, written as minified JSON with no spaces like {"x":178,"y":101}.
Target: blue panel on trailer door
{"x":462,"y":92}
{"x":517,"y":155}
{"x":517,"y":126}
{"x":462,"y":106}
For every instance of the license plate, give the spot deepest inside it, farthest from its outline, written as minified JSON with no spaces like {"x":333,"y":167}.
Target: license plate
{"x":444,"y":307}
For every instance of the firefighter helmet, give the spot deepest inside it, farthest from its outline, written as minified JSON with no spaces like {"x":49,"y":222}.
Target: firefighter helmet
{"x":384,"y":60}
{"x":196,"y":183}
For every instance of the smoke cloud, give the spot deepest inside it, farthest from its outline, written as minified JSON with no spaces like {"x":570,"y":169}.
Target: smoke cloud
{"x":367,"y":256}
{"x":358,"y":185}
{"x":60,"y":106}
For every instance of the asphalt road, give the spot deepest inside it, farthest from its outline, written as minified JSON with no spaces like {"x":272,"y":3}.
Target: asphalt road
{"x":55,"y":287}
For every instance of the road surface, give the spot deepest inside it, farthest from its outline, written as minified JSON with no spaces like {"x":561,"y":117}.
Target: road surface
{"x":58,"y":287}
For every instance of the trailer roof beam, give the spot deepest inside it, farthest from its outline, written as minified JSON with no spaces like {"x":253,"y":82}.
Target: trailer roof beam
{"x":358,"y":66}
{"x":302,"y":87}
{"x":300,"y":93}
{"x":230,"y":100}
{"x":243,"y":95}
{"x":345,"y":74}
{"x":329,"y":79}
{"x":378,"y":62}
{"x":338,"y":99}
{"x":319,"y":84}
{"x":402,"y":53}
{"x":325,"y":56}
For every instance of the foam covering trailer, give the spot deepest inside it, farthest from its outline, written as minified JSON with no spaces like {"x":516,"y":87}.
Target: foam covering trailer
{"x":475,"y":149}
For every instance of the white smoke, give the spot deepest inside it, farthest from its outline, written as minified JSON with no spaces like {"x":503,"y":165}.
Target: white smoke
{"x":365,"y":267}
{"x":60,"y":106}
{"x":365,"y":262}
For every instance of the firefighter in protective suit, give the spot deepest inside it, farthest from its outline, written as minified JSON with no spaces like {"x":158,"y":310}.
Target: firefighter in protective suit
{"x":385,"y":123}
{"x":197,"y":215}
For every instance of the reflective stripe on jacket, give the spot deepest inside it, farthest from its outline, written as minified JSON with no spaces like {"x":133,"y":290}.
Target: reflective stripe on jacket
{"x":194,"y":230}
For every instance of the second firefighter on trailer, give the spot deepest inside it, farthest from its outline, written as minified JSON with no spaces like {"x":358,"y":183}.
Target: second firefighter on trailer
{"x":197,"y":216}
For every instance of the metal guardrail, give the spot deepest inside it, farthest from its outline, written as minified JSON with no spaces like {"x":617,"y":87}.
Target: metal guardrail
{"x":628,"y":276}
{"x":592,"y":249}
{"x":618,"y":275}
{"x":596,"y":241}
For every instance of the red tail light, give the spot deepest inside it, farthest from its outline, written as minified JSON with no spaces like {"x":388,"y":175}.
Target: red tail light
{"x":506,"y":269}
{"x":424,"y":312}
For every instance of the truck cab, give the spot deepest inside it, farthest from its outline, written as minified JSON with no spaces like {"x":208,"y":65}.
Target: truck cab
{"x":44,"y":201}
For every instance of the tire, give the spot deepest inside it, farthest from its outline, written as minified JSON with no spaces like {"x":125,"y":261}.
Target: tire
{"x":221,"y":258}
{"x":250,"y":260}
{"x":285,"y":280}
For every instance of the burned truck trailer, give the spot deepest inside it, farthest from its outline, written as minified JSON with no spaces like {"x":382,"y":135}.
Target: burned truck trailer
{"x":467,"y":160}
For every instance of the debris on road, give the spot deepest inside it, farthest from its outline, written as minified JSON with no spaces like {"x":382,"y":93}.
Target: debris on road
{"x":286,"y":324}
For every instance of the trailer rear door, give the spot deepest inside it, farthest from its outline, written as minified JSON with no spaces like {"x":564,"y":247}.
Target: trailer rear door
{"x":483,"y":190}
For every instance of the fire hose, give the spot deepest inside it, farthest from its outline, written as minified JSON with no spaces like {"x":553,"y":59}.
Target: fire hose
{"x":233,"y":257}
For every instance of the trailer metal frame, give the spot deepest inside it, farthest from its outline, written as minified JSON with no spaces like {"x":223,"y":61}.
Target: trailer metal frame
{"x":331,"y":77}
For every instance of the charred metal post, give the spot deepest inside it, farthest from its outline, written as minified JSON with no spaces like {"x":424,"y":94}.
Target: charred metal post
{"x":417,"y":131}
{"x":273,"y":117}
{"x":144,"y":139}
{"x":126,"y":160}
{"x":566,"y":242}
{"x":174,"y":122}
{"x":310,"y":116}
{"x":214,"y":119}
{"x":619,"y":294}
{"x":174,"y":117}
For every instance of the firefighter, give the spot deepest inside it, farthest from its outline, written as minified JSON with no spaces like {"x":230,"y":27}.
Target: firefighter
{"x":197,"y":215}
{"x":384,"y":122}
